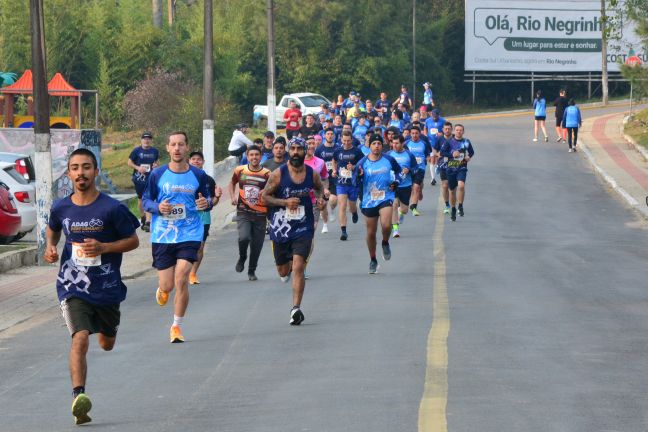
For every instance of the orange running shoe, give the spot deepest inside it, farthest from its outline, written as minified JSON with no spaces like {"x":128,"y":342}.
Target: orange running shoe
{"x":161,"y":297}
{"x":175,"y":335}
{"x":193,"y":279}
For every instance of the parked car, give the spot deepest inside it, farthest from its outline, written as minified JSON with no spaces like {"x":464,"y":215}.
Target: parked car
{"x":23,"y":164}
{"x":24,"y":196}
{"x":308,"y":103}
{"x":10,"y":220}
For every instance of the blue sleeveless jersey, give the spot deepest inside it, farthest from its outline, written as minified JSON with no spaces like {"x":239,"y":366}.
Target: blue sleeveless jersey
{"x":283,"y":229}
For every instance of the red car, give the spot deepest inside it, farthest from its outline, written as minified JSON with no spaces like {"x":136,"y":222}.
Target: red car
{"x":10,"y":220}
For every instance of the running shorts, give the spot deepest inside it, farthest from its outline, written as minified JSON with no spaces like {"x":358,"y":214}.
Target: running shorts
{"x":455,"y":176}
{"x":206,"y":231}
{"x":80,"y":315}
{"x":403,"y":194}
{"x":543,"y":118}
{"x":349,"y":190}
{"x":418,"y":177}
{"x":332,"y":185}
{"x":283,"y":252}
{"x":166,"y":255}
{"x":558,"y":121}
{"x":139,"y":188}
{"x":443,"y":174}
{"x":374,"y":212}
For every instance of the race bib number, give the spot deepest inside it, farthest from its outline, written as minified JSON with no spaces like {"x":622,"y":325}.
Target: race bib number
{"x":345,"y":173}
{"x":177,"y":212}
{"x":419,"y":160}
{"x":329,"y":165}
{"x":251,"y":194}
{"x":434,"y":131}
{"x":293,"y":124}
{"x":295,"y":214}
{"x":377,"y":195}
{"x":147,"y":167}
{"x":80,"y":258}
{"x":460,"y":157}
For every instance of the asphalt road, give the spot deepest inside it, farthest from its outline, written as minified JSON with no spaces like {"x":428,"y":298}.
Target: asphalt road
{"x":548,"y":322}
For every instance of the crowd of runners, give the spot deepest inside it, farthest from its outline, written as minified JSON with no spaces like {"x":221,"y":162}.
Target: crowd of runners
{"x":354,"y":157}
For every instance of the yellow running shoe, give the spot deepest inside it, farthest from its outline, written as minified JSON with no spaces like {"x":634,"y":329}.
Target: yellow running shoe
{"x":175,"y":334}
{"x":161,"y":297}
{"x":193,"y":279}
{"x":81,"y":405}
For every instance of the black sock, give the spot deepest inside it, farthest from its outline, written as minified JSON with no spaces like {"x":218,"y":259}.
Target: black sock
{"x":460,"y":205}
{"x":373,"y":258}
{"x":385,"y":243}
{"x":76,"y":391}
{"x":343,"y":229}
{"x":447,"y":203}
{"x":413,"y":206}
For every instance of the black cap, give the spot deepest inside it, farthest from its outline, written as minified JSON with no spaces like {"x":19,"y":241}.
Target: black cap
{"x":147,"y":134}
{"x":269,"y":134}
{"x":375,"y":137}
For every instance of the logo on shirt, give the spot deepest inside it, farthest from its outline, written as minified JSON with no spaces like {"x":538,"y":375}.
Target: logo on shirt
{"x":169,"y":188}
{"x":93,"y":225}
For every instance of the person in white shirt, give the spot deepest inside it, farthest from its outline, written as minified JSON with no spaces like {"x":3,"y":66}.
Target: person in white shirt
{"x":239,"y":142}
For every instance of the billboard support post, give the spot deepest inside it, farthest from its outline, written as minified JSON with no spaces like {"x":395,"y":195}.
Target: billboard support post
{"x":473,"y":85}
{"x":532,"y":86}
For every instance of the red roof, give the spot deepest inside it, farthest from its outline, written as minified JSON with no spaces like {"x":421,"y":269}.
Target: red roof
{"x":56,"y":87}
{"x":24,"y":85}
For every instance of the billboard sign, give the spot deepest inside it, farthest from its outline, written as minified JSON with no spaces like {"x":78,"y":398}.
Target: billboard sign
{"x":544,"y":36}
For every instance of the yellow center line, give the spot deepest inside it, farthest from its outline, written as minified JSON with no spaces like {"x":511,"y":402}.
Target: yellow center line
{"x":432,"y":410}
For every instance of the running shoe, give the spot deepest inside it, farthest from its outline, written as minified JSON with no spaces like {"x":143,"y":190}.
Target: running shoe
{"x":161,"y":297}
{"x":461,"y":212}
{"x":415,"y":212}
{"x":240,"y":265}
{"x":175,"y":335}
{"x":575,"y":150}
{"x":386,"y":250}
{"x":446,"y":210}
{"x":306,"y":276}
{"x":146,"y":227}
{"x":373,"y":267}
{"x":395,"y":233}
{"x":193,"y":279}
{"x":81,"y":406}
{"x":286,"y":278}
{"x":331,"y":218}
{"x":354,"y":217}
{"x":252,"y":277}
{"x":558,"y":139}
{"x":570,"y":150}
{"x":433,"y":182}
{"x":535,"y":139}
{"x":401,"y":217}
{"x":546,"y":139}
{"x":344,"y":236}
{"x":453,"y":214}
{"x":296,"y":316}
{"x":324,"y":228}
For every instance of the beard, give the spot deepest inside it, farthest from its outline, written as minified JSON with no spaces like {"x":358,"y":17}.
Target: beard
{"x":297,"y":161}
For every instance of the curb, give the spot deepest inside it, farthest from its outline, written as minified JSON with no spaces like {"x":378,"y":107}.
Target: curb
{"x":637,"y":206}
{"x":15,"y":259}
{"x":641,"y":149}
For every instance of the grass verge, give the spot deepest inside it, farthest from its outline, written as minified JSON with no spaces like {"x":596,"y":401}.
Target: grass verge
{"x":637,"y":128}
{"x":12,"y":247}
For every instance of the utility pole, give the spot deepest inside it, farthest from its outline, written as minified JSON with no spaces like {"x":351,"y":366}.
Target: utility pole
{"x":272,"y":97}
{"x":604,"y":39}
{"x":208,"y":89}
{"x":413,"y":53}
{"x":43,"y":154}
{"x":157,"y":13}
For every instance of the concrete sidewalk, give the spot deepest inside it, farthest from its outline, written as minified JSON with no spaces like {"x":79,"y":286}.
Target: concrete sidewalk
{"x":621,"y":162}
{"x":27,"y":291}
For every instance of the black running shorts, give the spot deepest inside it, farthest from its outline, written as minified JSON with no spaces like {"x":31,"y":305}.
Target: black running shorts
{"x":80,"y":315}
{"x":283,"y":252}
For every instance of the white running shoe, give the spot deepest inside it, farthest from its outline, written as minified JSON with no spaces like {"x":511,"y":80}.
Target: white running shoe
{"x":324,"y":228}
{"x":331,"y":218}
{"x":535,"y":139}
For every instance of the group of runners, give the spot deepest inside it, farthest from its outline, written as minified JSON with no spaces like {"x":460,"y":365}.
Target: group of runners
{"x":568,"y":119}
{"x":283,"y":189}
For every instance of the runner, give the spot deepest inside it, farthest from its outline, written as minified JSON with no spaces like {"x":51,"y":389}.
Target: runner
{"x":379,"y":176}
{"x":560,"y":103}
{"x":421,"y":151}
{"x":319,"y":166}
{"x":428,"y":97}
{"x":174,"y":194}
{"x":325,"y":152}
{"x":98,"y":230}
{"x":310,"y":127}
{"x":198,"y":160}
{"x":540,"y":112}
{"x":403,"y":98}
{"x":268,"y":146}
{"x":433,"y":127}
{"x":409,"y":167}
{"x":458,"y":151}
{"x":287,"y":195}
{"x":572,"y":120}
{"x":250,"y":210}
{"x":278,"y":153}
{"x":345,"y":159}
{"x":442,"y":165}
{"x":292,"y":117}
{"x":143,"y":159}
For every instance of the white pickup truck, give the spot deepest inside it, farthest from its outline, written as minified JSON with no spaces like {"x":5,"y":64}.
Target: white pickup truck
{"x":308,"y":103}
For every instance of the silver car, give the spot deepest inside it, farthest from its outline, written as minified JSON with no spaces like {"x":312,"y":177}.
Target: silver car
{"x":24,"y":196}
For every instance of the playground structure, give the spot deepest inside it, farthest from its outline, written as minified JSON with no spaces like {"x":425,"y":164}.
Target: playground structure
{"x":58,"y":87}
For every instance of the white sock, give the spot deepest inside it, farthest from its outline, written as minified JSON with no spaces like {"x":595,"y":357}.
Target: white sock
{"x":177,"y":321}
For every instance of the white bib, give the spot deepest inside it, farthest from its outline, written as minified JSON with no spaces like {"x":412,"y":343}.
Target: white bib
{"x":345,"y":173}
{"x":80,"y":259}
{"x":377,"y":195}
{"x":147,"y":167}
{"x":296,"y":214}
{"x":434,"y":131}
{"x":177,"y":212}
{"x":329,"y":165}
{"x":419,"y":160}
